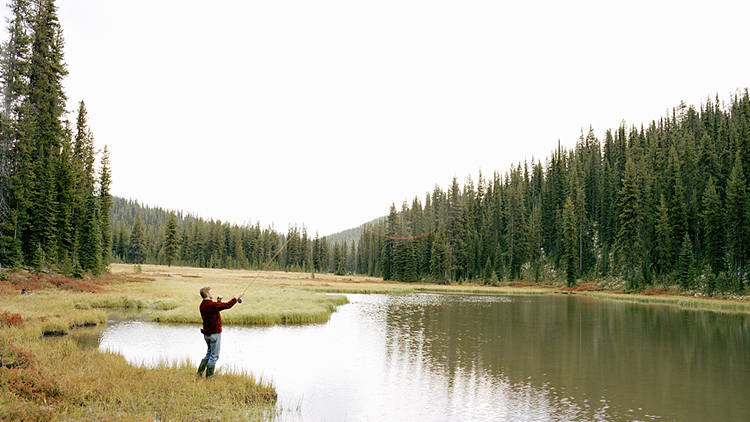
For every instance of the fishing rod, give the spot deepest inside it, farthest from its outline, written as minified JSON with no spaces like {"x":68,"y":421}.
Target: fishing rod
{"x":269,"y":263}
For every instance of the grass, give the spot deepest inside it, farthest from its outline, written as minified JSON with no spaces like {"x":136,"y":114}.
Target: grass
{"x":69,"y":383}
{"x":695,"y":303}
{"x":264,"y":306}
{"x":54,"y":379}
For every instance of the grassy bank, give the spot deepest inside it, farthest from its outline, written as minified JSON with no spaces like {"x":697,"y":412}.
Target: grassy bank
{"x":47,"y":376}
{"x":53,"y":378}
{"x":682,"y":302}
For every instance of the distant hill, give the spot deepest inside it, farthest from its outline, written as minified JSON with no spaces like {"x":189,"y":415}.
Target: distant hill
{"x":353,"y":234}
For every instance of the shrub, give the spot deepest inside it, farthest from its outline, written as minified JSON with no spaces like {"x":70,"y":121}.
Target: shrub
{"x":8,"y":319}
{"x":15,"y":357}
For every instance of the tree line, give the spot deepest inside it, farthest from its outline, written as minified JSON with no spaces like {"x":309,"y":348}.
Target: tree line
{"x":663,"y":204}
{"x":657,"y":205}
{"x":142,"y":234}
{"x":54,"y":201}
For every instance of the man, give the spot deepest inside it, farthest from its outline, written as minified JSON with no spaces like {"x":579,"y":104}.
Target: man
{"x":212,"y":328}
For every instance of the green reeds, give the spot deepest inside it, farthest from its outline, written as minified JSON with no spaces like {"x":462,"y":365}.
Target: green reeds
{"x":728,"y":306}
{"x":264,"y":306}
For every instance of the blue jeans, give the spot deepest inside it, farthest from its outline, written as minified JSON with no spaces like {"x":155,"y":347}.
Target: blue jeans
{"x":213,"y":341}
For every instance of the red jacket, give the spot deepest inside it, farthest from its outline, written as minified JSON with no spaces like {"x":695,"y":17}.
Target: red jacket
{"x":211,"y":316}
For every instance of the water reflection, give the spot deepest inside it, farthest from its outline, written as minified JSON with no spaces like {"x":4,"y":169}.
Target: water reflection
{"x":468,"y":358}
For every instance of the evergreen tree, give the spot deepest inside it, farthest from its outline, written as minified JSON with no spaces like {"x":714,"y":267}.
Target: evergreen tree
{"x":137,"y":242}
{"x":663,"y":241}
{"x":570,"y":242}
{"x":517,"y":229}
{"x":629,"y":239}
{"x":676,"y":200}
{"x":47,"y":100}
{"x":738,"y":217}
{"x":440,"y":262}
{"x":685,"y":263}
{"x":89,"y":237}
{"x":105,"y":200}
{"x":712,"y":225}
{"x":171,"y":240}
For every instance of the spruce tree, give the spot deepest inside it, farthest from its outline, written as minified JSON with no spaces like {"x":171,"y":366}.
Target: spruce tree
{"x":171,"y":240}
{"x":629,"y":246}
{"x":105,"y":201}
{"x":440,"y":254}
{"x":47,"y":100}
{"x":738,"y":217}
{"x":678,"y":214}
{"x":137,"y":242}
{"x":90,"y":237}
{"x":662,"y":253}
{"x":685,"y":266}
{"x":517,"y":229}
{"x":712,"y":227}
{"x":570,"y":242}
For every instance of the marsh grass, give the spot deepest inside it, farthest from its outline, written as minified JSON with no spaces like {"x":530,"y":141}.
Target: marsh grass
{"x":727,"y":306}
{"x":263,"y":306}
{"x":85,"y":384}
{"x":60,"y":381}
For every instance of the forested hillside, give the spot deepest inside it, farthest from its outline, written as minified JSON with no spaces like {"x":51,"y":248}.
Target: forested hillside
{"x":142,"y":234}
{"x":54,"y":202}
{"x":666,"y":203}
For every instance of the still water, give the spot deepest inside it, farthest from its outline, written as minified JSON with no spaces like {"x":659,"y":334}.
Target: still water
{"x":423,"y":357}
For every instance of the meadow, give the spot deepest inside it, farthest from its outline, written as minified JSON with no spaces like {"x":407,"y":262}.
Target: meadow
{"x":46,"y":375}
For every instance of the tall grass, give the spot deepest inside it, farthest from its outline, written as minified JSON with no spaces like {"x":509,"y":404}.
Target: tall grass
{"x":65,"y":382}
{"x":264,"y":306}
{"x":728,"y":306}
{"x":71,"y":383}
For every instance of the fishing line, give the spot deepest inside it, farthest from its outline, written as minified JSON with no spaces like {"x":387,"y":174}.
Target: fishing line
{"x":269,"y":263}
{"x":419,"y":236}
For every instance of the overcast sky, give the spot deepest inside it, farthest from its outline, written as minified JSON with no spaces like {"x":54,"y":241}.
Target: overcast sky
{"x":324,"y":113}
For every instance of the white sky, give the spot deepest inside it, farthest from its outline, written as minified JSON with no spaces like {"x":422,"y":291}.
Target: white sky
{"x":323,"y":113}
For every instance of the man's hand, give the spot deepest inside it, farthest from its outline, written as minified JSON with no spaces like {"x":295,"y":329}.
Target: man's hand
{"x":219,"y":298}
{"x":239,"y":296}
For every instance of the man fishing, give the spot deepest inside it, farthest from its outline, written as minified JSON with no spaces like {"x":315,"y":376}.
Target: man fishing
{"x":212,"y":328}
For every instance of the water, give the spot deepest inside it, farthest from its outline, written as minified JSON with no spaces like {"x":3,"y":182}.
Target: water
{"x":424,"y":357}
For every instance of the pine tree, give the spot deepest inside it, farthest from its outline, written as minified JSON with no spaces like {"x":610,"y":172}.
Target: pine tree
{"x":738,"y":217}
{"x":440,"y":254}
{"x":13,"y":71}
{"x":570,"y":242}
{"x":137,"y":242}
{"x":47,"y":100}
{"x":65,"y":180}
{"x":171,"y":240}
{"x":685,"y":272}
{"x":676,"y":200}
{"x":662,"y":253}
{"x":90,"y":237}
{"x":517,"y":233}
{"x":712,"y":227}
{"x":629,"y":244}
{"x":105,"y":200}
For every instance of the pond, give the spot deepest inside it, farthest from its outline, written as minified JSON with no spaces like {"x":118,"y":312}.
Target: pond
{"x":425,"y":357}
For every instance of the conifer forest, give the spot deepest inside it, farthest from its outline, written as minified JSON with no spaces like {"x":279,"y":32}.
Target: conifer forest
{"x":663,"y":203}
{"x":54,"y":200}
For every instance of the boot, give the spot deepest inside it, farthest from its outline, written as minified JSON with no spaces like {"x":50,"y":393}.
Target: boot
{"x":210,"y":371}
{"x":201,"y":367}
